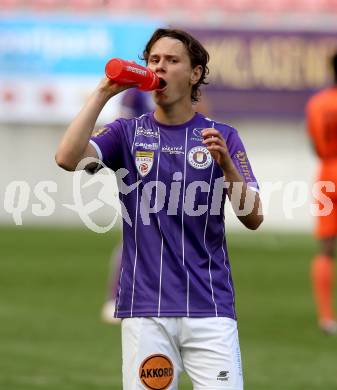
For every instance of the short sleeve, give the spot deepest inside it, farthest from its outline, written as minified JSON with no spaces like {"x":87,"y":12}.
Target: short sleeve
{"x":239,"y":157}
{"x":108,"y":142}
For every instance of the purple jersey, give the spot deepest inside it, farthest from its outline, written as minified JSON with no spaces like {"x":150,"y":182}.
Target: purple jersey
{"x":175,"y":260}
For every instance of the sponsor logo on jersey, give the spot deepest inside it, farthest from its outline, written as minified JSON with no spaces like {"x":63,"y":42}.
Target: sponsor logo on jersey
{"x":173,"y":149}
{"x":244,"y":166}
{"x":147,"y":132}
{"x":196,"y":134}
{"x":156,"y":372}
{"x":199,"y":157}
{"x":100,"y":132}
{"x":144,"y":145}
{"x":144,"y":162}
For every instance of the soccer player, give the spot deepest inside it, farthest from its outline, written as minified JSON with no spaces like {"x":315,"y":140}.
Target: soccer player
{"x":322,"y":129}
{"x":175,"y":295}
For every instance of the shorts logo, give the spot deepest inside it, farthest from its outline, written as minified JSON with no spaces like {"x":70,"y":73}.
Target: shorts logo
{"x":199,"y":157}
{"x":223,"y":376}
{"x":156,"y":372}
{"x":144,"y":162}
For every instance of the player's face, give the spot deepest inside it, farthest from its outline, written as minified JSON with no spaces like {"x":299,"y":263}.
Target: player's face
{"x":169,"y":59}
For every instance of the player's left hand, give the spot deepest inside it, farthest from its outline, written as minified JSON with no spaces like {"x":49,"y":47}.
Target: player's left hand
{"x":217,"y":147}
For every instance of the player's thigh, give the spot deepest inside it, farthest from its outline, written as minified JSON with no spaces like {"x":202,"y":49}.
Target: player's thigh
{"x":211,"y":353}
{"x":151,"y":357}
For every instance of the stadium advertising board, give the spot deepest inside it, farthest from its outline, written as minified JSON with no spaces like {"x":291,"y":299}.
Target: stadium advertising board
{"x":49,"y":65}
{"x":265,"y":73}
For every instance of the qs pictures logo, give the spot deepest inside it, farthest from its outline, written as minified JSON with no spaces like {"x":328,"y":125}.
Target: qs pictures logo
{"x":156,"y":372}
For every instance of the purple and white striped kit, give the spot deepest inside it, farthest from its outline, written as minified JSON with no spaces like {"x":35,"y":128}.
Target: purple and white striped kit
{"x":175,"y":261}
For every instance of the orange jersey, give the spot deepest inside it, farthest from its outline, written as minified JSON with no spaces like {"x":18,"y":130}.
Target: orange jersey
{"x":322,"y":128}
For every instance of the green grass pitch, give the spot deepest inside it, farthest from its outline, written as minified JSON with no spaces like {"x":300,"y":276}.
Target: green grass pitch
{"x":53,"y":283}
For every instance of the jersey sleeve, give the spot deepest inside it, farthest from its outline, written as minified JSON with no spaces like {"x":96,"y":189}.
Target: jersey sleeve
{"x":108,"y":142}
{"x":240,"y":159}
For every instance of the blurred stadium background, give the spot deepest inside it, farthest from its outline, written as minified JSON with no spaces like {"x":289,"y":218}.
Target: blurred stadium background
{"x":268,"y":57}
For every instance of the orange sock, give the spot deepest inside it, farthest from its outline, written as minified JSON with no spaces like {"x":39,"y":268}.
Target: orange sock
{"x":322,"y":283}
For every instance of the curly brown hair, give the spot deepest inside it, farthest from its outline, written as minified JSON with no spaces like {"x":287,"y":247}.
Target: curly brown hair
{"x":197,"y":53}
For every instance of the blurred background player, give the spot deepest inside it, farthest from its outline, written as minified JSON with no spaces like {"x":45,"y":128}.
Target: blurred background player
{"x":322,"y":129}
{"x":134,"y":103}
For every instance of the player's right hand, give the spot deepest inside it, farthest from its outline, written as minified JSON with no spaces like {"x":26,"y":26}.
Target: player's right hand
{"x":111,"y":88}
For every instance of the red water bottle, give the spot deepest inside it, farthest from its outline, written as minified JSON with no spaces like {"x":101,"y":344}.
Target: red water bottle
{"x":129,"y":73}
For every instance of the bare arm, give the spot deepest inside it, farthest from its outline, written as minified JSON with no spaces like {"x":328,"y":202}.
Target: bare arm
{"x":75,"y":145}
{"x":218,"y":149}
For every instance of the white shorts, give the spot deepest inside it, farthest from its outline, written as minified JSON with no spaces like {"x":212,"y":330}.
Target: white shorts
{"x":157,"y":350}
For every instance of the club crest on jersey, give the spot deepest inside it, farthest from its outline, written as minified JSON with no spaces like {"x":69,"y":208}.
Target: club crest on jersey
{"x":199,"y":157}
{"x":144,"y":161}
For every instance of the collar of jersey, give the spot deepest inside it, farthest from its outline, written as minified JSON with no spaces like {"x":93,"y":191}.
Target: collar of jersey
{"x":195,"y":117}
